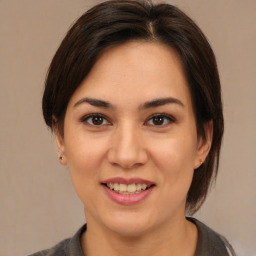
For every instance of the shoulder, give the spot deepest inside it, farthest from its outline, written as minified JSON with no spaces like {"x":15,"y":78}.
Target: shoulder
{"x":57,"y":250}
{"x":67,"y":247}
{"x":210,"y":242}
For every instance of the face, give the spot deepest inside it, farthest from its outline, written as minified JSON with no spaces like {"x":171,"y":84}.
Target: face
{"x":130,"y":139}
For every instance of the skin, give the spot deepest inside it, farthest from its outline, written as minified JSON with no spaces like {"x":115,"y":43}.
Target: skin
{"x":130,"y":143}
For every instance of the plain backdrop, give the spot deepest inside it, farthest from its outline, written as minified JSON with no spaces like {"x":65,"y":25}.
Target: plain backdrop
{"x":38,"y":206}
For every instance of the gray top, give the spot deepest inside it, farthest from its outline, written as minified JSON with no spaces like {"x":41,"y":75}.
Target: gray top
{"x":209,"y":243}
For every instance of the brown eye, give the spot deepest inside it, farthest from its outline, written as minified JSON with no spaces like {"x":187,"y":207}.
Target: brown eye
{"x":160,"y":120}
{"x":95,"y":120}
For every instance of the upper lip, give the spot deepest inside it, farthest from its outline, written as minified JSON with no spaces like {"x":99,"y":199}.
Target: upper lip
{"x":122,"y":180}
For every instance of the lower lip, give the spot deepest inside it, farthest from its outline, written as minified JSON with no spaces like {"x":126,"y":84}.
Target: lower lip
{"x":130,"y":199}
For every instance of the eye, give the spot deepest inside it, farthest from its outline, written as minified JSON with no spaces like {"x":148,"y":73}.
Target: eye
{"x":95,"y":120}
{"x":160,"y":120}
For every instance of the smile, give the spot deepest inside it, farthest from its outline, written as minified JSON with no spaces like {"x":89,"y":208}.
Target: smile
{"x":128,"y":189}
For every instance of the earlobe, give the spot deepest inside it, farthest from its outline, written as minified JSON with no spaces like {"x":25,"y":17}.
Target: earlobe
{"x":59,"y":140}
{"x":204,"y":144}
{"x":60,"y":148}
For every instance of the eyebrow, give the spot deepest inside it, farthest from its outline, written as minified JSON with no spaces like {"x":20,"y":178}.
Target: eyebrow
{"x":160,"y":102}
{"x":94,"y":102}
{"x":149,"y":104}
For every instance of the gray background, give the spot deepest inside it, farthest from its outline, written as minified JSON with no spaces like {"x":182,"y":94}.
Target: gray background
{"x":38,"y":206}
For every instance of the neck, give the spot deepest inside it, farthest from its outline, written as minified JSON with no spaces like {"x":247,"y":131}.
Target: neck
{"x":177,"y":238}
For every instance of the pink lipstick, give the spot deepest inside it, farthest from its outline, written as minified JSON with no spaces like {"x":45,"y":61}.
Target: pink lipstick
{"x":127,"y":191}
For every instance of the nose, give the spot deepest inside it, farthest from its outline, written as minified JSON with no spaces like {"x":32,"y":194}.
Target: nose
{"x":127,"y":149}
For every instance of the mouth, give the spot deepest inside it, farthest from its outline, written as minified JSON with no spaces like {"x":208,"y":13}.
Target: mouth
{"x":128,"y":189}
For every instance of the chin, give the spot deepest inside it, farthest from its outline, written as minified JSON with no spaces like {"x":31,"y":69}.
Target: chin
{"x":130,"y":231}
{"x":130,"y":225}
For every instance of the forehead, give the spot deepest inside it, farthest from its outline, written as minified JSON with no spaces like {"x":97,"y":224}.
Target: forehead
{"x":134,"y":71}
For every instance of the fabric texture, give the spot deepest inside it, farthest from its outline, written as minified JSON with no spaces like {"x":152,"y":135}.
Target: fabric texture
{"x":209,"y":243}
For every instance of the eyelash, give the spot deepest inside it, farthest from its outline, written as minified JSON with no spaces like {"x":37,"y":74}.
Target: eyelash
{"x":86,"y":118}
{"x":165,"y":118}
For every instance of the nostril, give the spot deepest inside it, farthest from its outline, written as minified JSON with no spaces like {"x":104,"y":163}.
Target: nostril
{"x":127,"y":159}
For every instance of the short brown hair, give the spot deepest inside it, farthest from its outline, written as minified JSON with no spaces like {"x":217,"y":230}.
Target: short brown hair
{"x":115,"y":22}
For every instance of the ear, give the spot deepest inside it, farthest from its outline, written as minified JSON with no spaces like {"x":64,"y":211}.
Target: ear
{"x":204,"y":145}
{"x":59,"y":139}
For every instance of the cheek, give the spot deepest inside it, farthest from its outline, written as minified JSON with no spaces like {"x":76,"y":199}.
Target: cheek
{"x":84,"y":158}
{"x":175,"y":150}
{"x":175,"y":162}
{"x":175,"y":158}
{"x":83,"y":153}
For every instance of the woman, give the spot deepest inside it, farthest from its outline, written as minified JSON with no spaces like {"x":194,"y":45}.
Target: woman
{"x":133,"y":97}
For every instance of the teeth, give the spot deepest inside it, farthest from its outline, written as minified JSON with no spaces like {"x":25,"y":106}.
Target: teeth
{"x":122,"y":187}
{"x":131,"y":188}
{"x":116,"y":186}
{"x":138,"y":187}
{"x":127,"y":189}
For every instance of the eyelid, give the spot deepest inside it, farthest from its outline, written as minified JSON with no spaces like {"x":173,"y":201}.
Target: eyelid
{"x":86,"y":117}
{"x":164,"y":115}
